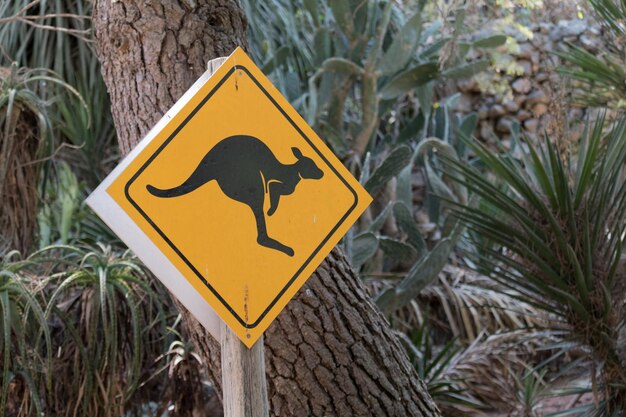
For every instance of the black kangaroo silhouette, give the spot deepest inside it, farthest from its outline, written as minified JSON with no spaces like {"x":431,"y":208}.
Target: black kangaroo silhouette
{"x":246,"y":170}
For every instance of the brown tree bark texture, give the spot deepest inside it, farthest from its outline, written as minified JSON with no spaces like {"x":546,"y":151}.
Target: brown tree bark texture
{"x":19,"y":172}
{"x":330,"y":352}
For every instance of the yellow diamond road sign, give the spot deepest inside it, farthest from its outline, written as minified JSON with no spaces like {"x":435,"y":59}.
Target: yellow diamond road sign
{"x":232,"y":200}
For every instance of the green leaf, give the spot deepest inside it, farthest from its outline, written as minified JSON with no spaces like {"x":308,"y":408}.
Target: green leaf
{"x":322,"y":42}
{"x":424,"y":95}
{"x":436,"y":184}
{"x":395,"y":162}
{"x":407,"y":223}
{"x":336,"y":142}
{"x":462,"y":49}
{"x":342,"y":66}
{"x":343,"y":14}
{"x":404,"y":186}
{"x":360,"y":16}
{"x":468,"y":125}
{"x":33,"y":391}
{"x":311,"y":7}
{"x":579,"y":277}
{"x":379,"y":221}
{"x":459,"y":20}
{"x":409,"y":80}
{"x":433,"y":49}
{"x":402,"y":48}
{"x":431,"y":29}
{"x":6,"y":327}
{"x":466,"y":70}
{"x":412,"y":129}
{"x":427,"y":270}
{"x":386,"y":299}
{"x":397,"y":250}
{"x":279,"y":58}
{"x":491,"y":41}
{"x":456,"y":191}
{"x":364,"y":246}
{"x":380,"y":32}
{"x":419,"y":277}
{"x":365,"y":169}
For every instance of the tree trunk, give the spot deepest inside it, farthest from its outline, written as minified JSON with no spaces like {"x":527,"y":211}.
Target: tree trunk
{"x":20,"y":146}
{"x":331,"y":352}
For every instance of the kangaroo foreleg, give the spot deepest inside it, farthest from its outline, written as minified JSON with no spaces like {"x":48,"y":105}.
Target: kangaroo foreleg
{"x":274,"y":192}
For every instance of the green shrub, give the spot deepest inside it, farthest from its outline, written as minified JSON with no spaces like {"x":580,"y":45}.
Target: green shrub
{"x":83,"y":330}
{"x":25,"y":362}
{"x":552,"y":227}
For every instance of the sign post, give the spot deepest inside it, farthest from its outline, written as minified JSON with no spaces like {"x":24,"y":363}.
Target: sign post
{"x":232,"y":201}
{"x":244,"y":388}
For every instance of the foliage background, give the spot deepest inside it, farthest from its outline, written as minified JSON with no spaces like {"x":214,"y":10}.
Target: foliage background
{"x":480,"y":312}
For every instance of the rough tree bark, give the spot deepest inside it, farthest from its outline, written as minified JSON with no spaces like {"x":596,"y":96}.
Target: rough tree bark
{"x":19,"y":172}
{"x":331,"y":352}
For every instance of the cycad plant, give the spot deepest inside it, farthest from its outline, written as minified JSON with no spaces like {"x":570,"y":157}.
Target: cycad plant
{"x":551,"y":227}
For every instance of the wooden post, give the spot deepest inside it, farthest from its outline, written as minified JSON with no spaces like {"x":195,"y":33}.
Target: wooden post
{"x":244,"y":387}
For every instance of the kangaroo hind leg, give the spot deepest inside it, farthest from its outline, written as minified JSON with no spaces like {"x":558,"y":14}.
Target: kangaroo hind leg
{"x":262,"y":238}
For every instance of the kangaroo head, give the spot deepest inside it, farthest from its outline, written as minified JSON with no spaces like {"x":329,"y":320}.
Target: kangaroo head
{"x":306,"y":167}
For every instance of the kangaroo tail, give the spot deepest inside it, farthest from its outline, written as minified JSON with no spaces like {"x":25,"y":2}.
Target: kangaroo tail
{"x":196,"y":180}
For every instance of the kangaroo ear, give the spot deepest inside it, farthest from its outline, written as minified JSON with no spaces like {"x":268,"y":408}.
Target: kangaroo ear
{"x":296,"y":152}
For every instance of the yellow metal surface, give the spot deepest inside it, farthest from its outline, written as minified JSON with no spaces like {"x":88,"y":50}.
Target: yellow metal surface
{"x":210,"y":232}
